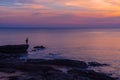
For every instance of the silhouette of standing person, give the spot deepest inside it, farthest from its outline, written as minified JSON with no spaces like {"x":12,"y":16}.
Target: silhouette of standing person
{"x":26,"y":40}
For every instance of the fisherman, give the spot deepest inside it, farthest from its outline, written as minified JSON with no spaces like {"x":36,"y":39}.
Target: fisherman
{"x":26,"y":40}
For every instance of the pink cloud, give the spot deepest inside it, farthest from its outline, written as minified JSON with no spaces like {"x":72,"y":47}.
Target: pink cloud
{"x":60,"y":12}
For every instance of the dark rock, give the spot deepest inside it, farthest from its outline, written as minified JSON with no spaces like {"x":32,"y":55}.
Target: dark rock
{"x":94,"y":64}
{"x":34,"y":60}
{"x":90,"y":74}
{"x":14,"y":48}
{"x":40,"y":69}
{"x":35,"y":68}
{"x":13,"y":78}
{"x":10,"y":56}
{"x":10,"y":63}
{"x":7,"y":70}
{"x":21,"y":78}
{"x":3,"y":56}
{"x":57,"y":75}
{"x":60,"y":62}
{"x":34,"y":76}
{"x":39,"y":47}
{"x":30,"y":79}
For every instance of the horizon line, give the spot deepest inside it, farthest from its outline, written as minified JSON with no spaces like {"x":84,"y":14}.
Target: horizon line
{"x":59,"y":27}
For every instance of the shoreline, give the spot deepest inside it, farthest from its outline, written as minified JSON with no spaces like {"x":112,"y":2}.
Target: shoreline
{"x":56,"y":69}
{"x":46,"y":69}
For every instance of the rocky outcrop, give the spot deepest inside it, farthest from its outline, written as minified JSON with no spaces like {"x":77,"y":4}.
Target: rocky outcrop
{"x":96,"y":64}
{"x":54,"y":74}
{"x":37,"y":48}
{"x":7,"y":70}
{"x":77,"y":74}
{"x":59,"y":62}
{"x":22,"y":48}
{"x":40,"y":69}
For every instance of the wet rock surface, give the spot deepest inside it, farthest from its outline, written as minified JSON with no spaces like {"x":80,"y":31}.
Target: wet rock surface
{"x":60,"y":62}
{"x":73,"y":74}
{"x":96,"y":64}
{"x":77,"y":74}
{"x":37,"y":48}
{"x":40,"y":47}
{"x":41,"y":69}
{"x":7,"y":70}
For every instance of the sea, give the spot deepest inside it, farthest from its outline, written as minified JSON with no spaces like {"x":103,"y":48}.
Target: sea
{"x":90,"y":45}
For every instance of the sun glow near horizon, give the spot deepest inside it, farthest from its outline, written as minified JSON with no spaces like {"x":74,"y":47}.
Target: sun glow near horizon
{"x":60,"y":12}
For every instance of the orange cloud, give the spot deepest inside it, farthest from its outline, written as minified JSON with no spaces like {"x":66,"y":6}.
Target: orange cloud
{"x":85,"y":7}
{"x":75,"y":12}
{"x":31,"y":6}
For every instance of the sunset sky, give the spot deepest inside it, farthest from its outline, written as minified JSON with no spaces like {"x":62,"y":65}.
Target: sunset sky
{"x":59,"y":13}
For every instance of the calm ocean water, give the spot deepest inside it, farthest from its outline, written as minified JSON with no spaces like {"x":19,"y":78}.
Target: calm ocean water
{"x":101,"y":45}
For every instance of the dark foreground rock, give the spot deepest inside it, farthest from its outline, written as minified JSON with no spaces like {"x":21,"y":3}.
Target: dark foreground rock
{"x":59,"y":62}
{"x":13,"y":78}
{"x":53,"y":74}
{"x":22,"y":48}
{"x":34,"y":68}
{"x":40,"y":69}
{"x":7,"y":70}
{"x":77,"y":74}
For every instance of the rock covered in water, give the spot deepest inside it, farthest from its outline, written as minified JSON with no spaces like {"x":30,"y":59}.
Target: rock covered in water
{"x":7,"y":70}
{"x":53,"y":74}
{"x":41,"y":73}
{"x":96,"y":64}
{"x":88,"y":75}
{"x":60,"y":62}
{"x":57,"y":75}
{"x":13,"y":78}
{"x":35,"y":68}
{"x":39,"y":47}
{"x":41,"y":69}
